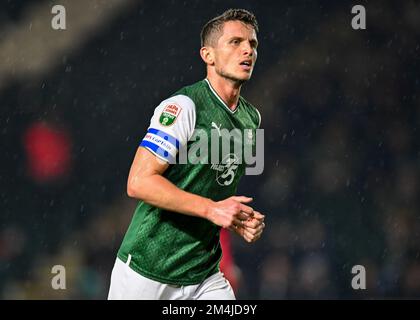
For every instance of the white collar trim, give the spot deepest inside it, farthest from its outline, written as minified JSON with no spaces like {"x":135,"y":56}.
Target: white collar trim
{"x":220,"y":99}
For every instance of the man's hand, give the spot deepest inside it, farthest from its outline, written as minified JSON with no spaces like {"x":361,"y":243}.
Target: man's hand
{"x":234,"y":215}
{"x":251,"y":229}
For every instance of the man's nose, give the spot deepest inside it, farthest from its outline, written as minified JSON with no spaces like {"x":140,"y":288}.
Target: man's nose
{"x":247,"y":48}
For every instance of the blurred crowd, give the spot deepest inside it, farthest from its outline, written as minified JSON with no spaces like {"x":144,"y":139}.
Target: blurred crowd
{"x":340,"y":109}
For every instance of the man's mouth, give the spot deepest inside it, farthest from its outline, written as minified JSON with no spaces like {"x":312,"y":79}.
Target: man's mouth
{"x":247,"y":64}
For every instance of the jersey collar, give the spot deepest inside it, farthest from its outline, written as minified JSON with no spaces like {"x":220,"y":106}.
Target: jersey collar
{"x":220,"y":99}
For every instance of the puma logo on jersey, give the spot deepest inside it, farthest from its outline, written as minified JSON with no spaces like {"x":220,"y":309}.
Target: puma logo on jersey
{"x":213,"y":125}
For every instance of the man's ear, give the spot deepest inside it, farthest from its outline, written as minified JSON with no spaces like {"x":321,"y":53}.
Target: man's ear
{"x":207,"y":55}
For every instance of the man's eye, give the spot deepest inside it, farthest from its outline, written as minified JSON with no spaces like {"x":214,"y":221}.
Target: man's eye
{"x":235,"y":41}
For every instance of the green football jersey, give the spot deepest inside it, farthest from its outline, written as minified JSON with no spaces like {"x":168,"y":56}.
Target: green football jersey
{"x":174,"y":248}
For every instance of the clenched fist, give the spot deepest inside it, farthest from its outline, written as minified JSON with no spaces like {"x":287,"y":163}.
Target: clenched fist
{"x":234,"y":215}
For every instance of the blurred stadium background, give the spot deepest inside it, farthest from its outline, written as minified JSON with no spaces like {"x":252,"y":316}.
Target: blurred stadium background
{"x":340,"y":109}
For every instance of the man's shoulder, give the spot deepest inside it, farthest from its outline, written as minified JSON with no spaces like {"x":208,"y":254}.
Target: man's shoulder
{"x":246,"y":103}
{"x":191,"y":90}
{"x":251,"y":109}
{"x":186,"y":97}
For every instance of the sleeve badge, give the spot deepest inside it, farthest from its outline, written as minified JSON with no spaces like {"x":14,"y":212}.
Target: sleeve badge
{"x":169,"y":114}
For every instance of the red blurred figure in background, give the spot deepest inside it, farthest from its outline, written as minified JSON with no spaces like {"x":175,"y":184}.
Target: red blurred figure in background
{"x":227,"y":264}
{"x":47,"y":151}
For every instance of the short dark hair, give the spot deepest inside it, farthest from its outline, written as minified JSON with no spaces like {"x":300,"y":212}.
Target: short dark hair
{"x":215,"y":25}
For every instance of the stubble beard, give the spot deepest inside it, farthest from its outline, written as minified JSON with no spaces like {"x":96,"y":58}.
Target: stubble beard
{"x":230,"y":77}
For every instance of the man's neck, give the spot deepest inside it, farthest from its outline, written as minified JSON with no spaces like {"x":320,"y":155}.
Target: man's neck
{"x":227,"y":90}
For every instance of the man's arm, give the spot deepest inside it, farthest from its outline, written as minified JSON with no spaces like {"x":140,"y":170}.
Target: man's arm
{"x":145,"y":182}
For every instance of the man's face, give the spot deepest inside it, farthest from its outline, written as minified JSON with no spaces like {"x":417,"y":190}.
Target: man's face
{"x":235,"y":53}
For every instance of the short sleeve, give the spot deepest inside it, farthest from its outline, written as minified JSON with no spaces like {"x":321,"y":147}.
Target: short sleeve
{"x":171,"y":126}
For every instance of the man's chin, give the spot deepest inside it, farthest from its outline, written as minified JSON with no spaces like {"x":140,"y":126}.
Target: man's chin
{"x":245,"y":76}
{"x":238,"y":78}
{"x":244,"y":79}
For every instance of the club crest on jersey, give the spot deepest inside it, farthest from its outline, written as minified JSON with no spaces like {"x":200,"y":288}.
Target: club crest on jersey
{"x":169,"y":114}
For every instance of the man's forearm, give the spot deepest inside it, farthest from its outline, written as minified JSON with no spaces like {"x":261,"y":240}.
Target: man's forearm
{"x":160,"y":192}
